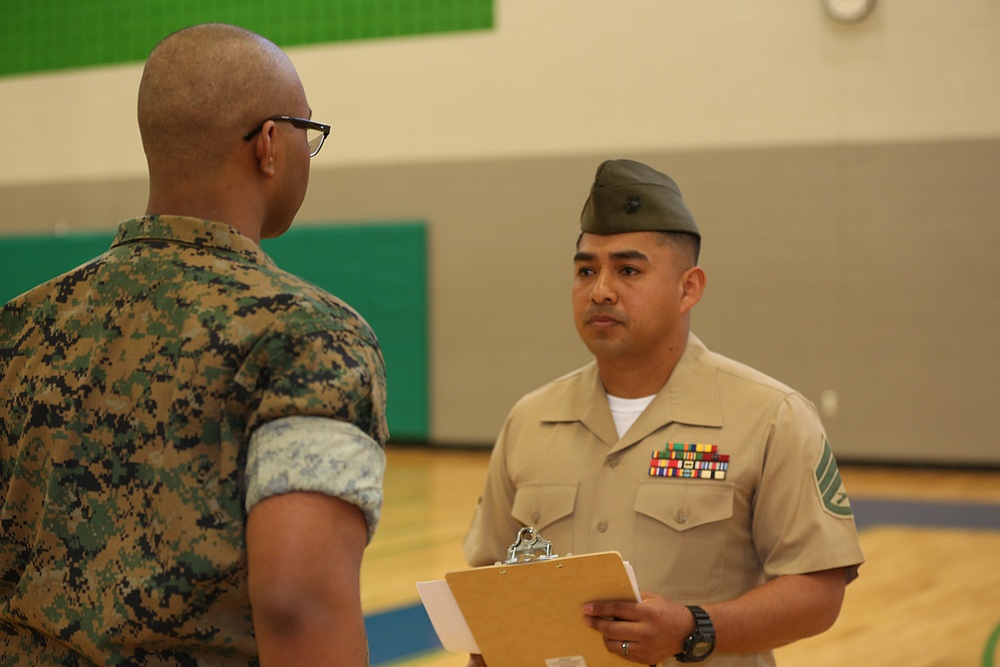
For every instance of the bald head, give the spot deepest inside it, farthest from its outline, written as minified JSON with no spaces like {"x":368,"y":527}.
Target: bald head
{"x":202,"y":89}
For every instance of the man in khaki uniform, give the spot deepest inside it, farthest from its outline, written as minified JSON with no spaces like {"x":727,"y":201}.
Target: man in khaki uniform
{"x":715,"y":481}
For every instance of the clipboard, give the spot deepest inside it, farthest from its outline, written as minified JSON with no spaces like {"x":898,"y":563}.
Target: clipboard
{"x":528,"y":611}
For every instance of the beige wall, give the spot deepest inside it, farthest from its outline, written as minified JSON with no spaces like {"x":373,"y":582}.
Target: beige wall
{"x":842,"y":175}
{"x":577,"y":77}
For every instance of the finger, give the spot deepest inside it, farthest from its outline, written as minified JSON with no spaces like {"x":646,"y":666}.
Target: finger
{"x":618,"y":609}
{"x":622,"y":648}
{"x":597,"y":623}
{"x":613,"y":630}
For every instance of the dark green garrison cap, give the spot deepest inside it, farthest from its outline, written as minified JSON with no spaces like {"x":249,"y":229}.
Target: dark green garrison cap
{"x":628,"y":196}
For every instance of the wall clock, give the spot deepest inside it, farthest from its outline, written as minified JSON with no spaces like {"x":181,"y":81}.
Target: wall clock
{"x":848,"y":11}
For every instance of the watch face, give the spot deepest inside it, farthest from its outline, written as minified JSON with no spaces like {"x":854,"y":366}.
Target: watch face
{"x":701,"y":649}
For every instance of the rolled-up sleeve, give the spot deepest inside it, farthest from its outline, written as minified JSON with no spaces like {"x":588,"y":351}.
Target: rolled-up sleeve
{"x":316,"y":454}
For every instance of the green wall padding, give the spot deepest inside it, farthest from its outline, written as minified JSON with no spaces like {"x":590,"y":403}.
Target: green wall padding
{"x":380,"y":269}
{"x":60,"y":34}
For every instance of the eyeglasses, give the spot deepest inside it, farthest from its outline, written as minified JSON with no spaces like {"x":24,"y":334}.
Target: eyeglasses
{"x":316,"y":133}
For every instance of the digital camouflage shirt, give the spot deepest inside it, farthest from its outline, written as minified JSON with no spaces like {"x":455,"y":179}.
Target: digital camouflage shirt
{"x":129,"y":391}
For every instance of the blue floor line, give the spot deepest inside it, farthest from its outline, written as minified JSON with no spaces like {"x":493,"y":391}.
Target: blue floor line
{"x":406,"y":632}
{"x":400,"y":633}
{"x":870,"y":513}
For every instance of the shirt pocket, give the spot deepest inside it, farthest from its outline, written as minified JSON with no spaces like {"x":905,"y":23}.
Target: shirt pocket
{"x":681,"y":536}
{"x":548,"y":508}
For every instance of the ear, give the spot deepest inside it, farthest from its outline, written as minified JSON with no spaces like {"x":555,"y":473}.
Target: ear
{"x":264,"y":144}
{"x":692,"y":284}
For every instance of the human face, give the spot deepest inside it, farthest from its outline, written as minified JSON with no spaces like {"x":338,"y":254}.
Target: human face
{"x":632,"y":294}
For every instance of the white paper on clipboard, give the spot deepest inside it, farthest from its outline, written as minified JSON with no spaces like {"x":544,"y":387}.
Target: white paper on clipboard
{"x":449,"y":624}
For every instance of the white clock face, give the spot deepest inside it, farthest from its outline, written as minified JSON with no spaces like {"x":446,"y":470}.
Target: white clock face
{"x":848,"y":11}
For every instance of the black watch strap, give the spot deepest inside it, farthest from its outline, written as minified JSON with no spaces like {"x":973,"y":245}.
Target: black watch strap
{"x":701,"y":642}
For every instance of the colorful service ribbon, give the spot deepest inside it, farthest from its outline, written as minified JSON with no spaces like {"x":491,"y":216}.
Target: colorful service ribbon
{"x":692,"y":461}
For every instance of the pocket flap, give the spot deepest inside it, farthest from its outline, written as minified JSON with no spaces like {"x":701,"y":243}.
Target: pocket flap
{"x":685,"y":505}
{"x":540,"y":504}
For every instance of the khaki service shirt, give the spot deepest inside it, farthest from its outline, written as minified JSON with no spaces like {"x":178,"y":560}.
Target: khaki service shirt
{"x":559,"y":466}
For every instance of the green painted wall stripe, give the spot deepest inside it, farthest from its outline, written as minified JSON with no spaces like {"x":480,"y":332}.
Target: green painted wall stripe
{"x":380,"y":269}
{"x":61,"y":34}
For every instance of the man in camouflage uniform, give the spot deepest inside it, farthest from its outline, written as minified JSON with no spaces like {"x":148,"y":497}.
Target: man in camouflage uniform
{"x":191,"y":440}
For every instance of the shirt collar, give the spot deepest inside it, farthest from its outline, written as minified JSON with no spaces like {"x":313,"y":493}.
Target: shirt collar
{"x":190,"y":231}
{"x":691,"y":396}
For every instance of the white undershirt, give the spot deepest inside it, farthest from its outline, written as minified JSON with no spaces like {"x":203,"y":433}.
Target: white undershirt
{"x":626,"y":410}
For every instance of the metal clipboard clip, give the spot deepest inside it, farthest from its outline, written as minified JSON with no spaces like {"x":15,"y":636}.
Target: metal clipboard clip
{"x":528,"y":547}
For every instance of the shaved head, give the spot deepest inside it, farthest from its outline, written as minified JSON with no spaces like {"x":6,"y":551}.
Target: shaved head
{"x":205,"y":87}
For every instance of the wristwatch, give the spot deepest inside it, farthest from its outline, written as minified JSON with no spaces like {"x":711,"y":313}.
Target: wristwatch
{"x":701,"y":642}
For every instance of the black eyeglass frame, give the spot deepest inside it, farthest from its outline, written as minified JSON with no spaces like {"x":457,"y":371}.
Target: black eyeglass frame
{"x":301,"y":123}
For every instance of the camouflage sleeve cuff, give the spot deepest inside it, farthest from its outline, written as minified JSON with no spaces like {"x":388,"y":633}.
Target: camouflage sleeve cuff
{"x":316,"y":454}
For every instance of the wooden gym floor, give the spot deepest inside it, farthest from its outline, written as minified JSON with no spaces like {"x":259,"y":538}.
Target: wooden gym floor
{"x":928,"y":594}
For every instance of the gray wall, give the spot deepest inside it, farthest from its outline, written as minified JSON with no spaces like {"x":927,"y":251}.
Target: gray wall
{"x":864,"y":273}
{"x":868,"y":274}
